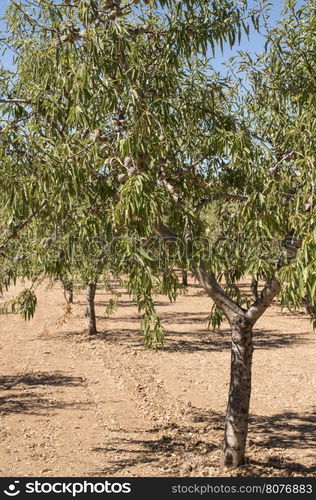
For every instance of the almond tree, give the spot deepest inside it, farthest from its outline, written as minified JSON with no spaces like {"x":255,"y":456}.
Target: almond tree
{"x":115,"y":110}
{"x":107,"y":101}
{"x":278,"y":208}
{"x":281,"y":111}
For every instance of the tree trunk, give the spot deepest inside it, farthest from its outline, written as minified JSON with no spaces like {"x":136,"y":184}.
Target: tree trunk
{"x":254,"y":288}
{"x":242,"y":322}
{"x":92,"y":327}
{"x":310,"y":309}
{"x":69,"y":288}
{"x":185,"y":278}
{"x":236,"y":425}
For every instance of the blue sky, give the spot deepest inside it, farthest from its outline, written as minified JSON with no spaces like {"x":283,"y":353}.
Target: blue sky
{"x":253,"y":45}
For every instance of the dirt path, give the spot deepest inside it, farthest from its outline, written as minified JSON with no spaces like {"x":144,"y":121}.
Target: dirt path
{"x":75,"y":406}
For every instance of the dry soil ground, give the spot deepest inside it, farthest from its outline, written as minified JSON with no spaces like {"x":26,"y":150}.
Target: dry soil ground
{"x":77,"y":406}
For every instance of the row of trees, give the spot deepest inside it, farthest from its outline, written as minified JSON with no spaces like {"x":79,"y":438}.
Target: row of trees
{"x":118,"y":141}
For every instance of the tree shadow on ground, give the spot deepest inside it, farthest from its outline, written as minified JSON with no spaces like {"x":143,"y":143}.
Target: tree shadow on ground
{"x":286,"y":431}
{"x":266,"y":434}
{"x":32,"y":404}
{"x":152,"y":450}
{"x":298,"y":312}
{"x":183,"y":341}
{"x":131,"y":338}
{"x":21,"y":400}
{"x":281,"y":430}
{"x":105,"y":303}
{"x":201,"y":340}
{"x":221,"y":341}
{"x":39,"y":378}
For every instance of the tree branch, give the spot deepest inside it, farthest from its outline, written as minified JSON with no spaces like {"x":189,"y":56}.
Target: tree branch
{"x":213,"y":196}
{"x":206,"y":279}
{"x":16,"y":101}
{"x":164,"y":232}
{"x":272,"y":286}
{"x":219,"y":196}
{"x":171,"y":190}
{"x":19,"y":227}
{"x":274,"y":170}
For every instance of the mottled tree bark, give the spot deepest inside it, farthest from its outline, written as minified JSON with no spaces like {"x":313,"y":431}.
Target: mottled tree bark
{"x":90,"y":294}
{"x":236,"y":425}
{"x":242,"y":322}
